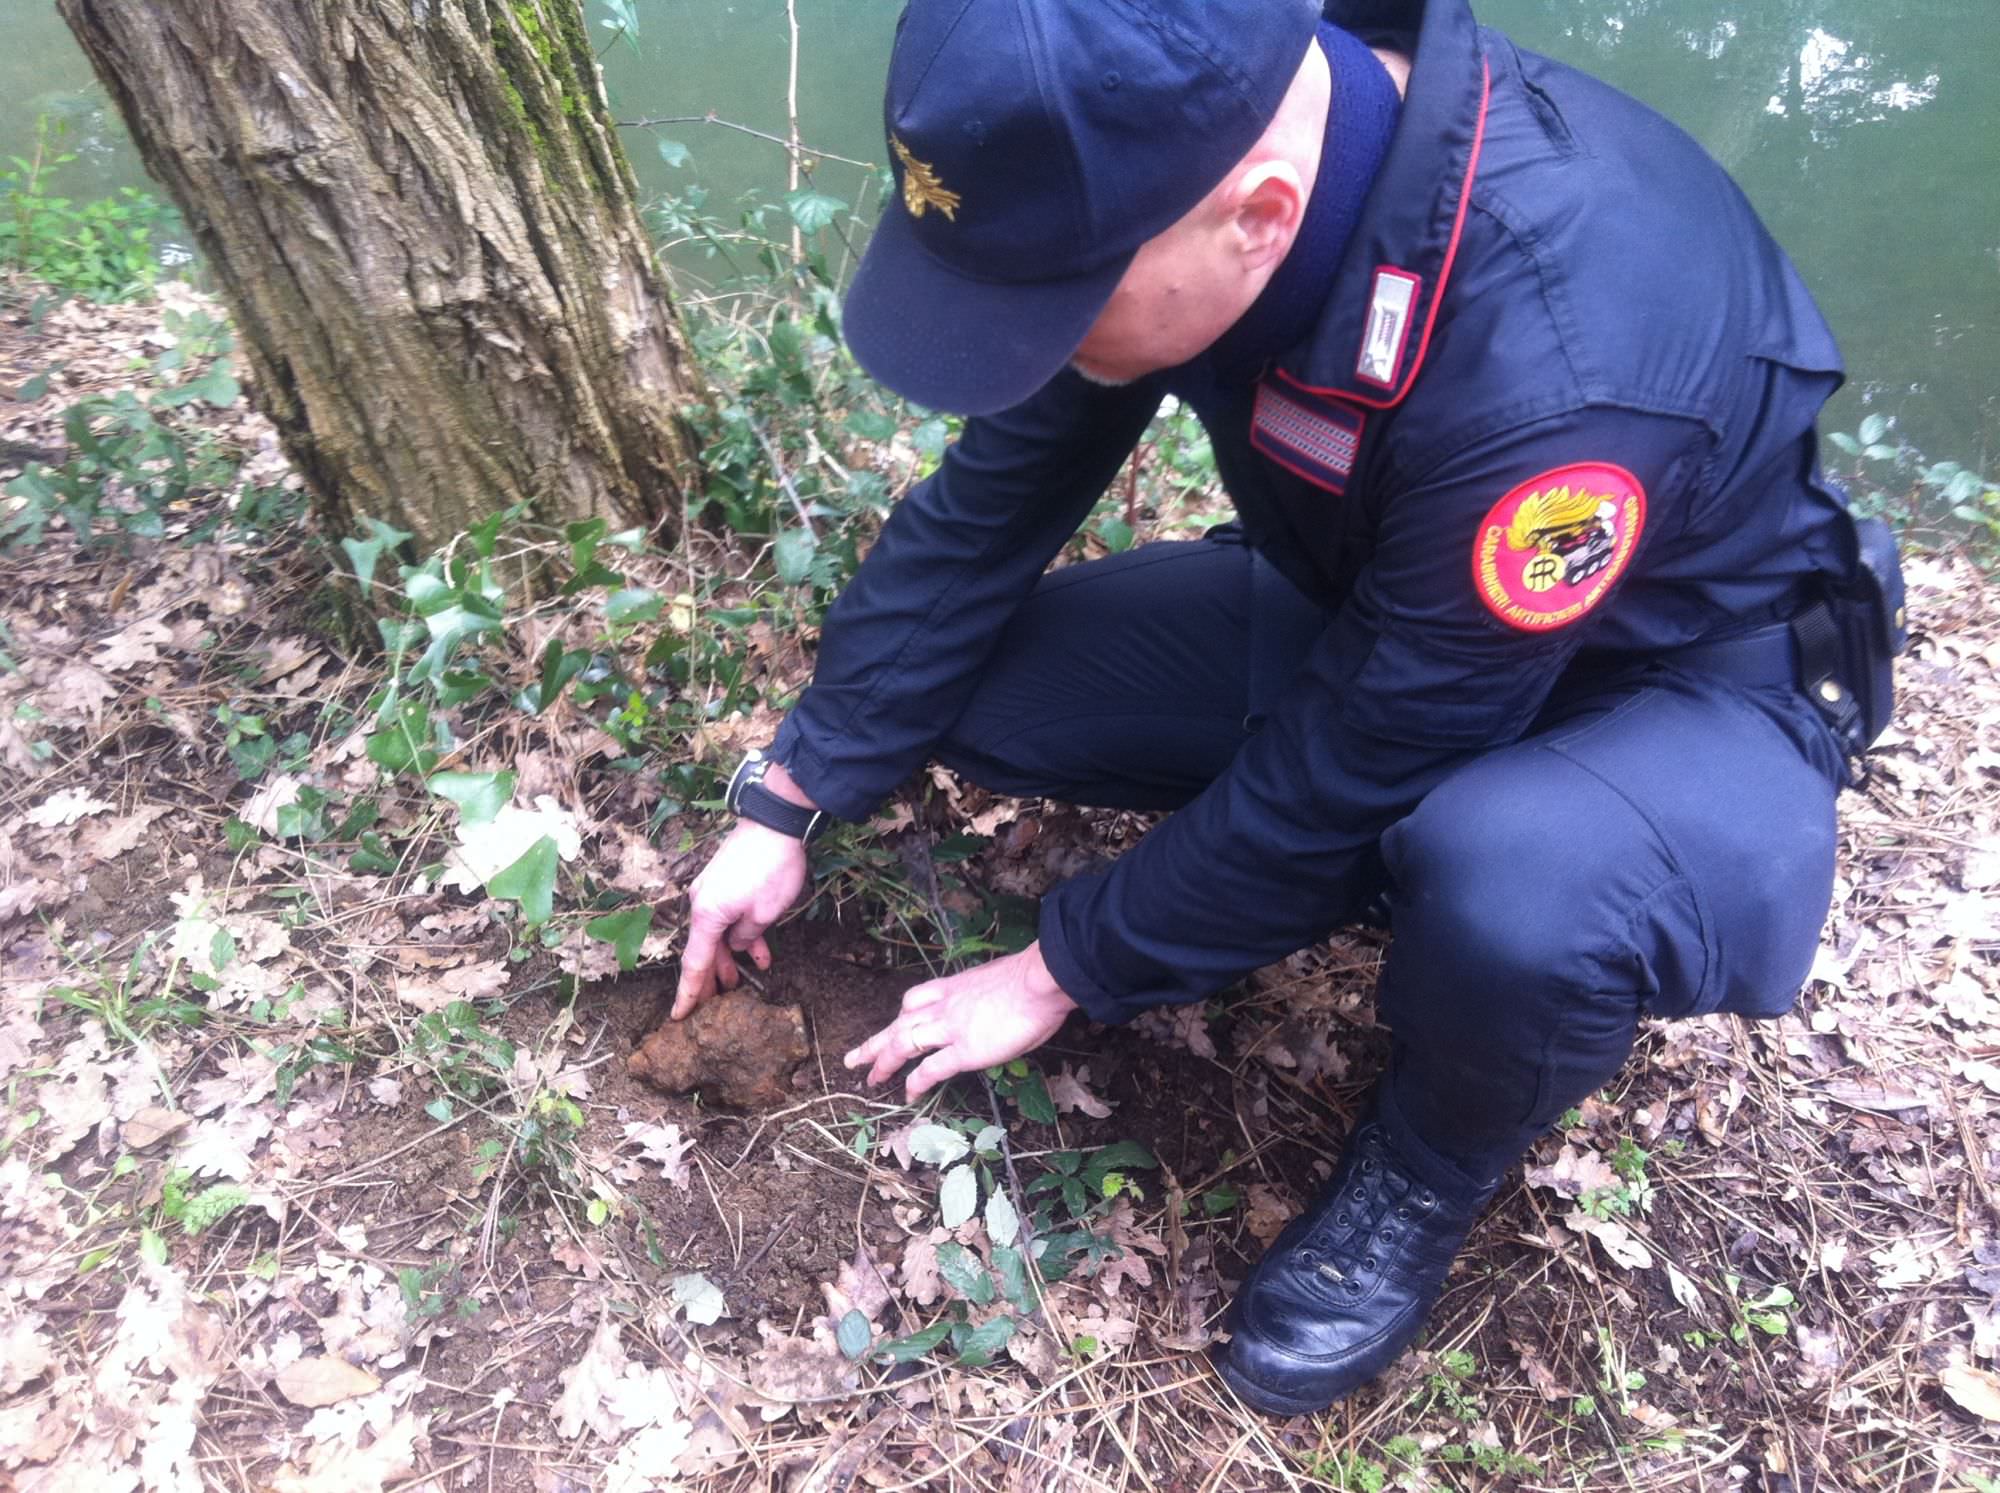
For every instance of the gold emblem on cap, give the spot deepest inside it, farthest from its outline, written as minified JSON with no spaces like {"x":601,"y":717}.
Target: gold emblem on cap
{"x":921,"y":187}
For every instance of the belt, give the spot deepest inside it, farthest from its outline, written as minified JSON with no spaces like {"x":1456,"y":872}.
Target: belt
{"x":1765,"y":657}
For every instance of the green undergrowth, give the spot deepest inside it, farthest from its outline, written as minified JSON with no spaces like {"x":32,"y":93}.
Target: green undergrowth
{"x":106,"y":250}
{"x":514,"y":632}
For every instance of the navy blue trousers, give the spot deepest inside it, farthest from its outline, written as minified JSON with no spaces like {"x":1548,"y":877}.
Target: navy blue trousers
{"x":1660,"y":843}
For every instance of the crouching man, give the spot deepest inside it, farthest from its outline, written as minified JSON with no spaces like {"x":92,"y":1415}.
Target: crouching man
{"x":1538,"y":626}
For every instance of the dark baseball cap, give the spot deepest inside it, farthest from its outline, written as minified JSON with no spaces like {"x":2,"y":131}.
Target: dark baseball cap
{"x":1036,"y":144}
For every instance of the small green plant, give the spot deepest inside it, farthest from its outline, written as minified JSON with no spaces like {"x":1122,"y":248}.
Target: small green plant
{"x":1351,"y":1472}
{"x":1447,"y":1386}
{"x":199,"y":1211}
{"x":1493,"y":1461}
{"x":1615,"y":1374}
{"x":1022,"y":1082}
{"x":433,"y":1290}
{"x":1087,"y":1181}
{"x":249,"y":747}
{"x":131,"y":459}
{"x":1892,"y":478}
{"x":1767,"y":1312}
{"x":104,"y":250}
{"x":124,"y":1000}
{"x":1634,"y":1190}
{"x":466,"y":1058}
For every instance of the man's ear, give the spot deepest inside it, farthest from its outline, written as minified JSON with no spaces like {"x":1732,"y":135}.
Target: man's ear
{"x":1270,"y":205}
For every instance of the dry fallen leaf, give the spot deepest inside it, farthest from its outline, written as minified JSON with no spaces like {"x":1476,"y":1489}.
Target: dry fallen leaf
{"x":24,"y":1350}
{"x":135,"y":645}
{"x":1577,"y":1170}
{"x":589,"y":1382}
{"x":65,"y":807}
{"x":1268,"y":1213}
{"x":1977,"y":1390}
{"x":1624,"y":1247}
{"x":108,"y":839}
{"x":312,"y":1382}
{"x":350,"y":1467}
{"x":150,"y":1125}
{"x":663,"y":1145}
{"x":1070,"y":1091}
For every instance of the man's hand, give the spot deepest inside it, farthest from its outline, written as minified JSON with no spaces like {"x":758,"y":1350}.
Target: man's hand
{"x":753,"y":879}
{"x":974,"y":1019}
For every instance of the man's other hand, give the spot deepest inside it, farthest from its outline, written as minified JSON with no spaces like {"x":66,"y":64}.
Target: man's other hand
{"x":975,"y":1019}
{"x":753,"y":879}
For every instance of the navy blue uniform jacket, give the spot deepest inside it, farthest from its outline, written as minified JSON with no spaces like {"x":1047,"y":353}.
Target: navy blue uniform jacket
{"x":1552,"y":292}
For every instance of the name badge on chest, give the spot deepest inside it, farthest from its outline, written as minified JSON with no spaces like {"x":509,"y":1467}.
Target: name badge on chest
{"x":1307,"y":434}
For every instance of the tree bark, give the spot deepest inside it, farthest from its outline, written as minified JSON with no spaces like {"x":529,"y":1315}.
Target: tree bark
{"x":424,"y":227}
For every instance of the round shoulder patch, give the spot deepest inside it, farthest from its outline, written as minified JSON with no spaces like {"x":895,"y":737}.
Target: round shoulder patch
{"x":1549,"y":550}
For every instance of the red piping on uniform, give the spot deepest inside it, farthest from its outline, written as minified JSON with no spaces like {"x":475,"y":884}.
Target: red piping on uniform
{"x":1444,"y":271}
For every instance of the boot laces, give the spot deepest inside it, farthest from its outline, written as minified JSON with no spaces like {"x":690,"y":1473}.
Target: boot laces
{"x":1376,"y":1207}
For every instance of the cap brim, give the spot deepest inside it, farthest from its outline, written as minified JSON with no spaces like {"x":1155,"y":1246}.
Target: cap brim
{"x":947,"y":342}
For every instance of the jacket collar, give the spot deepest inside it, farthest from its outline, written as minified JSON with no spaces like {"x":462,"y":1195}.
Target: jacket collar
{"x":1375,"y":328}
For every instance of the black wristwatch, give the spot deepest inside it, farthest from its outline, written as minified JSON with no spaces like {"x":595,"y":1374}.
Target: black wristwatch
{"x":748,"y":798}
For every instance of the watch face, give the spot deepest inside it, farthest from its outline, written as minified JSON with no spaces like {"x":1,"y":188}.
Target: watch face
{"x":750,"y":770}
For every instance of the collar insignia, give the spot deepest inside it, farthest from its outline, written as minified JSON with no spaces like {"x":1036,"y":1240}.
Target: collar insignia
{"x":921,"y":187}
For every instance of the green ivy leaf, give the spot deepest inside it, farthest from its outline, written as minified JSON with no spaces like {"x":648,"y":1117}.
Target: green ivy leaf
{"x":373,"y":858}
{"x":1012,"y":1268}
{"x":558,"y":669}
{"x":37,"y":386}
{"x":624,"y":930}
{"x":792,"y":555}
{"x":531,"y":881}
{"x":964,"y":1274}
{"x":1219,"y":1200}
{"x":404,"y":739}
{"x":871,"y":425}
{"x":812,"y":210}
{"x":363,"y":553}
{"x":631,"y":606}
{"x":1873,"y":428}
{"x":439,"y":1109}
{"x":917,"y":1344}
{"x":985,"y":1340}
{"x":1032,"y":1095}
{"x":479,"y":795}
{"x":674,"y":153}
{"x":1120,"y":1156}
{"x":854,"y":1334}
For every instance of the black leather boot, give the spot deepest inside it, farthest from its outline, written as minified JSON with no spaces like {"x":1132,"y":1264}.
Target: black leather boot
{"x":1342,"y":1291}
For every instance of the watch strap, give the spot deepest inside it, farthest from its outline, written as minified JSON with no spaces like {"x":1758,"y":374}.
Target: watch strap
{"x":749,"y":799}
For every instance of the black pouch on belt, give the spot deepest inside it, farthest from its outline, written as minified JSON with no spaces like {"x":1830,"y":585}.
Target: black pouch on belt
{"x":1849,"y":639}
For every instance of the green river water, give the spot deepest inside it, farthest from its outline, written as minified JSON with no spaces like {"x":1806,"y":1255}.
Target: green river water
{"x":1866,"y":131}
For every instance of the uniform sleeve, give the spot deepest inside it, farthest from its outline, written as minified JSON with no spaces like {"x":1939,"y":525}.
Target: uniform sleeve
{"x":1423,"y":667}
{"x":903,"y":645}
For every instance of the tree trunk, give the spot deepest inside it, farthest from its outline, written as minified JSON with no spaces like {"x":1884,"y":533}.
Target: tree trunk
{"x":425,"y":229}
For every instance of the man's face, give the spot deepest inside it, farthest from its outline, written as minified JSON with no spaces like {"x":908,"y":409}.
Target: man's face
{"x":1182,"y":291}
